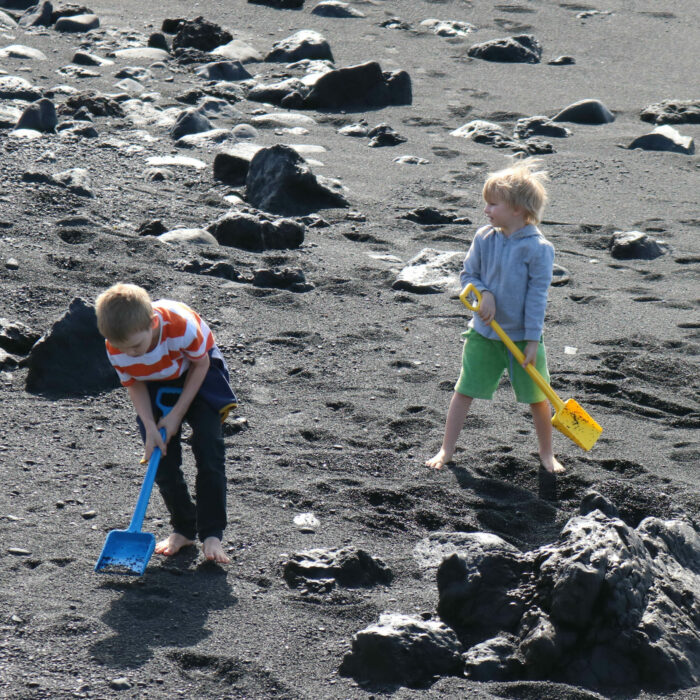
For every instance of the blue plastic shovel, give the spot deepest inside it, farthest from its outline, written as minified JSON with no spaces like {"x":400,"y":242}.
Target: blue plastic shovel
{"x":128,"y":551}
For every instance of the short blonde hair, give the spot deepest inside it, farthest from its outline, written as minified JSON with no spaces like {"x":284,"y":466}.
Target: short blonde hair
{"x":122,"y":310}
{"x":519,"y":186}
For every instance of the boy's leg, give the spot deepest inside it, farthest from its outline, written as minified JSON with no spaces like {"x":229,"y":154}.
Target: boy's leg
{"x":209,"y":453}
{"x":542,"y":418}
{"x":456,"y":415}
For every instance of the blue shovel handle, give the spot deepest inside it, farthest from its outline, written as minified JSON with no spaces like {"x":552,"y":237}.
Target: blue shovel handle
{"x":153,"y":462}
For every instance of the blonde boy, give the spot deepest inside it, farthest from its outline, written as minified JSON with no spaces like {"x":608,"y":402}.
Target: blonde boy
{"x":510,"y":263}
{"x":152,"y":344}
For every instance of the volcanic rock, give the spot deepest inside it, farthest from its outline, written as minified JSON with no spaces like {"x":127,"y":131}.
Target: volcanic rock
{"x":605,"y":606}
{"x":40,"y":116}
{"x":430,"y":272}
{"x":482,"y":131}
{"x":672,"y":112}
{"x":231,"y":166}
{"x":221,"y":269}
{"x":335,"y":8}
{"x":70,"y":360}
{"x":403,"y":650}
{"x":349,"y":567}
{"x":664,"y":138}
{"x":77,"y":23}
{"x":523,"y":48}
{"x":303,"y":44}
{"x":384,"y":135}
{"x":14,"y":88}
{"x":279,"y":180}
{"x":22,"y":52}
{"x":585,"y":112}
{"x":223,"y":70}
{"x":630,"y":245}
{"x":189,"y":121}
{"x":200,"y":34}
{"x":16,"y":338}
{"x":448,"y":28}
{"x":238,"y":50}
{"x":539,"y":126}
{"x":99,"y":105}
{"x":429,"y":216}
{"x":256,"y":231}
{"x":188,"y":236}
{"x":291,"y":279}
{"x":363,"y":85}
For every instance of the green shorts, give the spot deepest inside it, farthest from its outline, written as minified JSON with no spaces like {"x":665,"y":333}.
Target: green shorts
{"x":483,"y":364}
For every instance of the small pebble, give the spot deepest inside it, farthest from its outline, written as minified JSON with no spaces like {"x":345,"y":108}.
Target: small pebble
{"x":119,"y":684}
{"x":89,"y":514}
{"x":12,"y":264}
{"x":19,"y":551}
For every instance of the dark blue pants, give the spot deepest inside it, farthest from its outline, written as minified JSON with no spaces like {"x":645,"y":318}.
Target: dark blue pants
{"x":207,"y":516}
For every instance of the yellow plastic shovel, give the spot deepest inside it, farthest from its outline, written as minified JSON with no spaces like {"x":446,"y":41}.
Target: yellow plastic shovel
{"x":569,"y":418}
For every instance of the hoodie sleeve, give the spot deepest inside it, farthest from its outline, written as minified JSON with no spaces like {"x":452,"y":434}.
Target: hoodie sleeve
{"x":538,"y":281}
{"x":471,"y":270}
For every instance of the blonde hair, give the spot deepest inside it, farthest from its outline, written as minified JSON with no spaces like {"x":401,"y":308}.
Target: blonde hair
{"x":519,"y":186}
{"x":122,"y":310}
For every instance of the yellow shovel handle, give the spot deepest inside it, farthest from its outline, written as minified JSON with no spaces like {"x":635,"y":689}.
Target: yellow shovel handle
{"x":515,"y":350}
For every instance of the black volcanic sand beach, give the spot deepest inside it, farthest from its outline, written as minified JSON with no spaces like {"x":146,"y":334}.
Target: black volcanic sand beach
{"x":344,"y":380}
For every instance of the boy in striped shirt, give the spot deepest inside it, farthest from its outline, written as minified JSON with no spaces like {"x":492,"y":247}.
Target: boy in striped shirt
{"x":165,"y":343}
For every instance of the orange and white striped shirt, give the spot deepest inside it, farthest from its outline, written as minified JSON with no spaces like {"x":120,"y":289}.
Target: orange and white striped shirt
{"x":184,"y":336}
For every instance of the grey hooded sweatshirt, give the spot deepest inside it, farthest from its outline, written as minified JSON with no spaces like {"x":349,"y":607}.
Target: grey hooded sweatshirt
{"x":517,"y":270}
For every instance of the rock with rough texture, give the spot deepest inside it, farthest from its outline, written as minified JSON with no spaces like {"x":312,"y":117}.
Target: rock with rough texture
{"x":13,"y":87}
{"x":430,"y":272}
{"x":430,"y":216}
{"x":585,"y":112}
{"x":223,"y":70}
{"x":404,"y":650}
{"x":70,"y":360}
{"x":231,"y":166}
{"x":523,"y":48}
{"x":448,"y":28}
{"x":303,"y":44}
{"x":349,"y":566}
{"x":190,"y":121}
{"x":77,"y":23}
{"x":664,"y":138}
{"x":200,"y":34}
{"x":16,"y":338}
{"x":291,"y":279}
{"x":279,"y":180}
{"x":335,"y":8}
{"x":40,"y":116}
{"x":604,"y":607}
{"x":482,"y":131}
{"x":251,"y":230}
{"x":97,"y":104}
{"x":76,"y":180}
{"x":361,"y":85}
{"x":672,"y":112}
{"x":539,"y":126}
{"x":631,"y":245}
{"x":384,"y":135}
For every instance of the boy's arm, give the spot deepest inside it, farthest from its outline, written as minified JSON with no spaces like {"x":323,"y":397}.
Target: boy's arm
{"x":539,"y":278}
{"x":471,"y":270}
{"x":138,"y":393}
{"x":196,"y":373}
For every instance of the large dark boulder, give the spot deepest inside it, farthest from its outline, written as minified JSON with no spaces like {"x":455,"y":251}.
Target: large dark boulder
{"x":403,"y":650}
{"x":634,"y":245}
{"x":280,"y":181}
{"x":523,"y":48}
{"x":70,"y":360}
{"x":200,"y":34}
{"x":250,"y":230}
{"x":362,"y":85}
{"x":39,"y":116}
{"x":585,"y":112}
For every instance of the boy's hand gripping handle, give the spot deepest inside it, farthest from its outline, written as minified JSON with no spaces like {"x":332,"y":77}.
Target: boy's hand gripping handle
{"x":514,"y":349}
{"x":153,"y":462}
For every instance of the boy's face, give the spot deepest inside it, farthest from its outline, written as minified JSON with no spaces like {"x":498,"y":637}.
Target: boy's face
{"x":502,"y":215}
{"x":139,"y":342}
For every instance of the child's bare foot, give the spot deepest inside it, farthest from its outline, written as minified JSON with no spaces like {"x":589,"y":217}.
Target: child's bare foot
{"x":439,"y":460}
{"x":214,"y":550}
{"x":173,"y":544}
{"x":552,"y":464}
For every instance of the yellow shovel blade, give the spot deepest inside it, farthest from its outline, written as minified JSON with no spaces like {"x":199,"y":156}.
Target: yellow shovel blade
{"x":577,"y":425}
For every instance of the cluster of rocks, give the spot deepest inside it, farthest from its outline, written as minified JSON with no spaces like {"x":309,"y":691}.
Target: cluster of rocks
{"x":606,"y":606}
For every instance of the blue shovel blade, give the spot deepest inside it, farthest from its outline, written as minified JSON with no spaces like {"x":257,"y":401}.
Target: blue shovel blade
{"x":126,"y":552}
